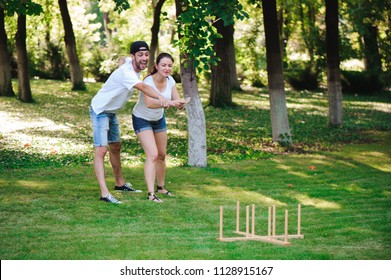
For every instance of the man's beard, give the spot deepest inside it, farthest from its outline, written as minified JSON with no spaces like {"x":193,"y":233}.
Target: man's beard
{"x":141,"y":66}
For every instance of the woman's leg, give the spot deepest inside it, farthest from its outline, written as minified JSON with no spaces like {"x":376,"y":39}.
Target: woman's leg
{"x":161,"y":144}
{"x":147,"y":140}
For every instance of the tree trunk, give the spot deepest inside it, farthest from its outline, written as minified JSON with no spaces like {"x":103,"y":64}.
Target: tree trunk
{"x":284,"y":19}
{"x":5,"y":62}
{"x":108,"y":31}
{"x":24,"y":90}
{"x":278,"y":109}
{"x":195,"y":118}
{"x":195,"y":112}
{"x":221,"y":91}
{"x":334,"y":88}
{"x":235,"y":84}
{"x":70,"y":44}
{"x":371,"y":50}
{"x":280,"y":20}
{"x":153,"y":48}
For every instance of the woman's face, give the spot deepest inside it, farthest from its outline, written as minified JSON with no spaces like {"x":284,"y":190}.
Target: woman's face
{"x":164,"y":67}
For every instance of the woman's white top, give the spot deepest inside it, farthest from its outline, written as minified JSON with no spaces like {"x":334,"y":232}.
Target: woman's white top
{"x":140,"y":110}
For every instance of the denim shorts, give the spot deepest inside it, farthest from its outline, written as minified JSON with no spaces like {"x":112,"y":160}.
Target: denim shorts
{"x":140,"y":124}
{"x":105,"y":127}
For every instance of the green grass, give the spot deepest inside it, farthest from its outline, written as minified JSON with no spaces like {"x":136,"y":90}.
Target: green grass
{"x":49,"y":197}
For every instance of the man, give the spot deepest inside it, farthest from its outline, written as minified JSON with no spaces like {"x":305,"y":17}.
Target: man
{"x":110,"y":98}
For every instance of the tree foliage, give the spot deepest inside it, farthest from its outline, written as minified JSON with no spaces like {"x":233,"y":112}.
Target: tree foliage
{"x":197,"y":34}
{"x":134,"y":23}
{"x":121,"y":5}
{"x":26,"y":7}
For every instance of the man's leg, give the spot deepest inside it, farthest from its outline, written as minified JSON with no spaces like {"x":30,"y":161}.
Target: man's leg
{"x":101,"y":127}
{"x":115,"y":160}
{"x":99,"y":168}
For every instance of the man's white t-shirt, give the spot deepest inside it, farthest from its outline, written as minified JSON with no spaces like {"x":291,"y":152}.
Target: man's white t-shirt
{"x":140,"y":110}
{"x":117,"y":90}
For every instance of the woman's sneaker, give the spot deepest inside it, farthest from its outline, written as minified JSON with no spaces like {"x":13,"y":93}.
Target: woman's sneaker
{"x":127,"y":187}
{"x":110,"y":199}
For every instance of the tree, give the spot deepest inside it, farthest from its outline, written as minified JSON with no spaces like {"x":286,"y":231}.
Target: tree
{"x":157,"y":9}
{"x":235,"y":84}
{"x":334,"y":88}
{"x":24,"y":89}
{"x":108,"y":31}
{"x":5,"y":62}
{"x":278,"y":109}
{"x":221,"y":85}
{"x":366,"y":16}
{"x":224,"y":71}
{"x":22,"y":8}
{"x":197,"y":36}
{"x":195,"y":112}
{"x":371,"y":21}
{"x":308,"y":10}
{"x":70,"y":44}
{"x":285,"y":26}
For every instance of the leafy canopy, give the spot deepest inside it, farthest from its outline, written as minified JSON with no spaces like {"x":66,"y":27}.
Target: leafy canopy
{"x":197,"y":33}
{"x":121,"y":5}
{"x":26,"y":7}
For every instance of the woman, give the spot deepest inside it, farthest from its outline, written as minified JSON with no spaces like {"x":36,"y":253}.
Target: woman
{"x":150,"y":125}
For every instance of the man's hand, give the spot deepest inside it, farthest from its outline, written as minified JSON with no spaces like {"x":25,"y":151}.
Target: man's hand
{"x":164,"y":102}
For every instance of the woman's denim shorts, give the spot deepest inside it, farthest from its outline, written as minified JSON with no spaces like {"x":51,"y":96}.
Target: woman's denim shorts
{"x":105,"y":127}
{"x":140,"y":124}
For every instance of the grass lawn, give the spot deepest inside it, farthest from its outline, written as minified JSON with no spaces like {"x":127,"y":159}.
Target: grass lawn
{"x":49,"y":196}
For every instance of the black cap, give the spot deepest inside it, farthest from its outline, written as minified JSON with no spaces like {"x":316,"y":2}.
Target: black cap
{"x":138,"y":46}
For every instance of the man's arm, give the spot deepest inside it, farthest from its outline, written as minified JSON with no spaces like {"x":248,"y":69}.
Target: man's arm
{"x":148,"y":90}
{"x":174,"y":102}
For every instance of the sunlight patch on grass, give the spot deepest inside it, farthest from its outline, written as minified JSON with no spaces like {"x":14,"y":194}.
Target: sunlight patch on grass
{"x":375,"y":159}
{"x":234,"y":194}
{"x":379,"y":160}
{"x":177,"y":132}
{"x":32,"y":184}
{"x":15,"y":123}
{"x":378,"y":106}
{"x":252,"y":103}
{"x":129,"y":161}
{"x":289,"y":169}
{"x":356,"y":188}
{"x":48,"y":144}
{"x":387,"y":193}
{"x":315,"y":202}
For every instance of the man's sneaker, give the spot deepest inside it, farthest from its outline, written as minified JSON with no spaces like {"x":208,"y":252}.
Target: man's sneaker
{"x":127,"y":187}
{"x":110,"y":199}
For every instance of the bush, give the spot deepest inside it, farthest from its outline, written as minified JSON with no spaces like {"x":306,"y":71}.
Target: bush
{"x":101,"y":65}
{"x":302,"y":78}
{"x":361,"y":82}
{"x":256,"y":78}
{"x":52,"y":65}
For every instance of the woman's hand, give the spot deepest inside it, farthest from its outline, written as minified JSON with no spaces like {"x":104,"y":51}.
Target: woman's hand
{"x":179,"y":103}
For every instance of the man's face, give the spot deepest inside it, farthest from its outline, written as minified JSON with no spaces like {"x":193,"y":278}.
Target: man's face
{"x":140,"y":60}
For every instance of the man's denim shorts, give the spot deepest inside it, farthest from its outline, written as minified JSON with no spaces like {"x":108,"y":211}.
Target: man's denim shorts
{"x":105,"y":127}
{"x":140,"y":124}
